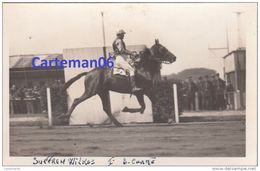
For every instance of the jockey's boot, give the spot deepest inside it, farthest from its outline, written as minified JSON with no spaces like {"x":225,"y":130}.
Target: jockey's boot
{"x":133,"y":85}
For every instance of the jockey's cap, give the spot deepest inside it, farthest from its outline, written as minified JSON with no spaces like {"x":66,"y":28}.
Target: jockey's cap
{"x":121,"y":31}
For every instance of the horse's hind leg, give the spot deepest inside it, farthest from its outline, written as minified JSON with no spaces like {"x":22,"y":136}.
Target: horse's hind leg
{"x":76,"y":102}
{"x":106,"y":107}
{"x":140,"y":98}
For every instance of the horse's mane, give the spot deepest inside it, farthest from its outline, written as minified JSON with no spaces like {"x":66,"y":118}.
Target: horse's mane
{"x":148,"y":63}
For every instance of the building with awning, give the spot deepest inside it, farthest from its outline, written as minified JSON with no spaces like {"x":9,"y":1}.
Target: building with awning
{"x":25,"y":77}
{"x":23,"y":74}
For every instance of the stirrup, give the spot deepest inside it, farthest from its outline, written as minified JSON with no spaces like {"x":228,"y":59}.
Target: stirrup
{"x":136,"y":89}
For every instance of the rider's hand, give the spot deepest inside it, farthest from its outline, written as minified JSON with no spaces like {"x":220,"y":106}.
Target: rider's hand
{"x":134,"y":53}
{"x":137,"y":60}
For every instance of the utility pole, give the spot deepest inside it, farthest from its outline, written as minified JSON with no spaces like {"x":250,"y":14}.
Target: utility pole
{"x":227,"y":39}
{"x":104,"y":36}
{"x":239,"y":39}
{"x":239,"y":45}
{"x":105,"y":56}
{"x":223,"y":48}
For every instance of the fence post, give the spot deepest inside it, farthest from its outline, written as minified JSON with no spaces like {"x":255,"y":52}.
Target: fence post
{"x":176,"y":107}
{"x":196,"y":107}
{"x":237,"y":102}
{"x":49,"y":108}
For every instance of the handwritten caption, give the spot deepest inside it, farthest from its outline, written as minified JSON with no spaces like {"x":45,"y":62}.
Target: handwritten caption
{"x":85,"y":161}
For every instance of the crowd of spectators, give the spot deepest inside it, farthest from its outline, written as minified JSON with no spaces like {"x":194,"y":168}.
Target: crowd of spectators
{"x":204,"y":93}
{"x":32,"y":98}
{"x":207,"y":93}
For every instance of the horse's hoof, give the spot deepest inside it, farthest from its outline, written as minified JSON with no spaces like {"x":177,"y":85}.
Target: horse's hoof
{"x":60,"y":116}
{"x":119,"y":125}
{"x":170,"y":121}
{"x":125,"y":109}
{"x":63,"y":117}
{"x":90,"y":125}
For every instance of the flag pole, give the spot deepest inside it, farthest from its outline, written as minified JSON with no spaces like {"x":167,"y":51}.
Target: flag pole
{"x":105,"y":56}
{"x":104,"y":36}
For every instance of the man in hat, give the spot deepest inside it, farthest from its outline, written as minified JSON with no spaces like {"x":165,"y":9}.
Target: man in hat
{"x":220,"y":88}
{"x":200,"y":90}
{"x":191,"y":93}
{"x":213,"y":92}
{"x":207,"y":93}
{"x":122,"y":56}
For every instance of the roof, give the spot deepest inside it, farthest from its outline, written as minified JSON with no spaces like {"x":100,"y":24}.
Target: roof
{"x":239,"y":49}
{"x":25,"y":61}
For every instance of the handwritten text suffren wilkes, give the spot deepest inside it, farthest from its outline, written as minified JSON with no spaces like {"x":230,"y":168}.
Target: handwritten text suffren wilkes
{"x":85,"y":161}
{"x":72,"y":161}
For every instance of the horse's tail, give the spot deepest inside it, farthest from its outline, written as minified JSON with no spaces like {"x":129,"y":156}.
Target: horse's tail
{"x":72,"y":80}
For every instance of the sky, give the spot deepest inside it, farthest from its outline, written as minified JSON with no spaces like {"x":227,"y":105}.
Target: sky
{"x":188,"y":30}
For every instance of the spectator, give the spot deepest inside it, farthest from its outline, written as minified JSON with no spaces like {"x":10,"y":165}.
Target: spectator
{"x":43,"y":97}
{"x":220,"y":88}
{"x":200,"y":91}
{"x":36,"y":103}
{"x":184,"y":95}
{"x":213,"y":93}
{"x":230,"y":96}
{"x":17,"y":98}
{"x":29,"y":100}
{"x":191,"y":93}
{"x":207,"y":93}
{"x":229,"y":87}
{"x":12,"y":93}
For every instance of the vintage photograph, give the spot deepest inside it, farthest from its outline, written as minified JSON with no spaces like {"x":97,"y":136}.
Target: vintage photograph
{"x":129,"y":84}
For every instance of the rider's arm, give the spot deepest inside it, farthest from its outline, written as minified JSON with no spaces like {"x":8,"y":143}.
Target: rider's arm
{"x":121,"y":48}
{"x":128,"y":52}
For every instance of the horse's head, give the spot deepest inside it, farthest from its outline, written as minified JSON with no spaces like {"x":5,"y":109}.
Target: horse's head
{"x":161,"y":54}
{"x":151,"y":61}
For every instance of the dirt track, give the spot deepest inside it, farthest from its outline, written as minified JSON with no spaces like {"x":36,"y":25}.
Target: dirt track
{"x":225,"y":139}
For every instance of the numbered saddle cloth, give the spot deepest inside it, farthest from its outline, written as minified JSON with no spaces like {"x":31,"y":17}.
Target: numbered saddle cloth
{"x":119,"y":71}
{"x":122,"y":64}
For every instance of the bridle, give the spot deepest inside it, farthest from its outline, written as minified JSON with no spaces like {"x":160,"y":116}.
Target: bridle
{"x":155,"y":58}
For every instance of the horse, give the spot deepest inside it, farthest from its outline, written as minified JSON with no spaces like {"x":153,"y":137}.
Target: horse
{"x":100,"y":81}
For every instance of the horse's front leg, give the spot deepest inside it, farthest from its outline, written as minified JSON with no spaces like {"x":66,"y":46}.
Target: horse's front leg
{"x":140,"y":98}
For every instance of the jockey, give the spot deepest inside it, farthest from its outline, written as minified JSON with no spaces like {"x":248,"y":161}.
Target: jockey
{"x":122,"y":56}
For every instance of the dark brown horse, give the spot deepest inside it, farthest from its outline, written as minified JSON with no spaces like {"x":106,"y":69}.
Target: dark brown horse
{"x":100,"y":80}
